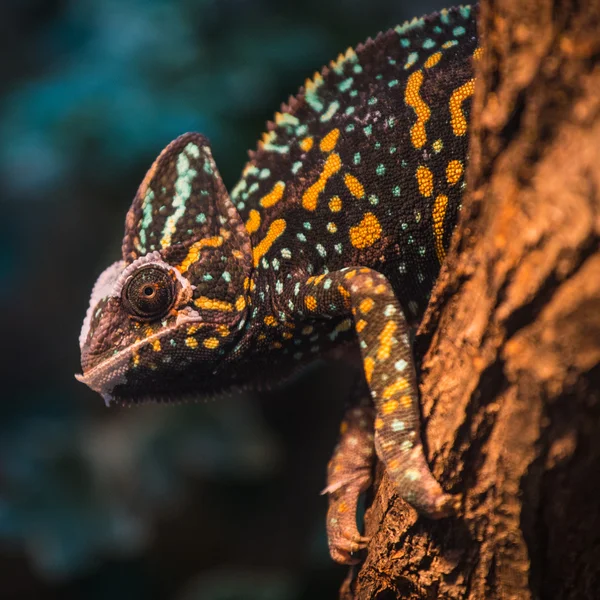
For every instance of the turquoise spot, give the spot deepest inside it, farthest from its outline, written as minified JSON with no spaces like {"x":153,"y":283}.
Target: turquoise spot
{"x":345,"y":85}
{"x":264,"y":174}
{"x":357,"y":69}
{"x":353,"y":93}
{"x":368,"y":129}
{"x":321,"y":250}
{"x":312,"y":98}
{"x":409,"y":25}
{"x":349,"y":110}
{"x":357,"y":158}
{"x":465,"y":11}
{"x":412,"y":59}
{"x":377,"y":145}
{"x":253,"y":188}
{"x":404,"y":42}
{"x":296,"y":166}
{"x":428,"y":43}
{"x":437,"y":29}
{"x":391,"y":61}
{"x":172,"y":342}
{"x":301,"y":130}
{"x":338,"y":248}
{"x":445,"y":16}
{"x":146,"y":218}
{"x":393,"y":149}
{"x":208,"y":168}
{"x":372,"y":101}
{"x":396,"y":190}
{"x":380,"y":170}
{"x":379,"y":77}
{"x":350,"y":127}
{"x":226,"y":276}
{"x":307,"y":225}
{"x":331,"y":110}
{"x":287,"y":119}
{"x":393,"y":83}
{"x":327,"y":284}
{"x":391,"y":122}
{"x":458,"y":31}
{"x":241,"y":185}
{"x":301,"y":237}
{"x":286,"y":253}
{"x":207,"y":277}
{"x":373,"y":200}
{"x":276,"y":148}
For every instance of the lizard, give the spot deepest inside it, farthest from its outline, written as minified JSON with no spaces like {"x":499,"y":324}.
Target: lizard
{"x":330,"y":243}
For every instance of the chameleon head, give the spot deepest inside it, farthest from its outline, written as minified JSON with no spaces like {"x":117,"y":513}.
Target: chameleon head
{"x":164,"y":317}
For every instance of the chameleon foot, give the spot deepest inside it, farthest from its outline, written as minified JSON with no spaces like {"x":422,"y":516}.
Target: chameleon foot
{"x":348,"y":476}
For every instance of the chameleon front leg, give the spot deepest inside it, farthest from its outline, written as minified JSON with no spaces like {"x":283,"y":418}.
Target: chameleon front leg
{"x":389,"y":370}
{"x":349,"y":474}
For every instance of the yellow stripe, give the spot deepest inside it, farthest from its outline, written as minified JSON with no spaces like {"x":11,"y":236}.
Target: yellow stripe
{"x":439,"y":213}
{"x":274,"y":196}
{"x":457,"y":117}
{"x":276,"y":228}
{"x":194,"y":251}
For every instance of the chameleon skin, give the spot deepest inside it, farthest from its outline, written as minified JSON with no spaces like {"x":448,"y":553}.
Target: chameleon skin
{"x":331,"y":242}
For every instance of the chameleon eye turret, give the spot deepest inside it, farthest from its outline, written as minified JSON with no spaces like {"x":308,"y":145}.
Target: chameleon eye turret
{"x":149,"y":293}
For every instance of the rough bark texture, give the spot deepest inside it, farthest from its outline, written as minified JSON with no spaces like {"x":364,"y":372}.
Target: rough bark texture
{"x":510,"y":379}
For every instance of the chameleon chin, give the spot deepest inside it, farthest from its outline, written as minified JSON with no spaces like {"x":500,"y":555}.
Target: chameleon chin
{"x":333,"y":235}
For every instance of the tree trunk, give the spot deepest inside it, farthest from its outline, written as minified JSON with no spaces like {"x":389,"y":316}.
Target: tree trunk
{"x":510,"y":380}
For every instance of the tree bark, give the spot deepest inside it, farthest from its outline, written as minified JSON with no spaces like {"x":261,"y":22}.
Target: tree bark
{"x":511,"y":377}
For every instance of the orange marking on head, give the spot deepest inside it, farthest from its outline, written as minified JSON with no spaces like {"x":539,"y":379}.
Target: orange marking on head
{"x":405,"y":401}
{"x":276,"y":228}
{"x":360,"y":325}
{"x":156,"y":345}
{"x":366,"y":233}
{"x":213,"y":304}
{"x":439,"y":213}
{"x":345,"y":294}
{"x":412,"y":97}
{"x":223,"y":330}
{"x":379,"y":423}
{"x":329,"y":141}
{"x":433,"y":60}
{"x":211,"y":343}
{"x":194,"y":252}
{"x":425,"y":180}
{"x":270,"y":320}
{"x":457,"y":117}
{"x":354,"y":186}
{"x":191,"y":342}
{"x":310,"y":197}
{"x":478,"y":53}
{"x":274,"y":196}
{"x":253,"y":222}
{"x":240,"y":303}
{"x":385,"y":340}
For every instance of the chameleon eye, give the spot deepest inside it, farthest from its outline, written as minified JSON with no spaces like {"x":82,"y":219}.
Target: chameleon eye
{"x":149,"y":293}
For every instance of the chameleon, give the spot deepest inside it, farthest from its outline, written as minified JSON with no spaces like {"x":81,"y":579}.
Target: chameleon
{"x":329,"y":245}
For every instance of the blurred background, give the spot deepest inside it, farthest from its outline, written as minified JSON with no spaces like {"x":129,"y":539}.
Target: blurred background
{"x":214,"y":502}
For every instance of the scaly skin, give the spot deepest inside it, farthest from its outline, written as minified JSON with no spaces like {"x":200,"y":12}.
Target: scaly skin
{"x":332,"y":239}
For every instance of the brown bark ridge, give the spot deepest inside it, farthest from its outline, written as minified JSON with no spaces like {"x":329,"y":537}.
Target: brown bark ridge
{"x":510,"y":382}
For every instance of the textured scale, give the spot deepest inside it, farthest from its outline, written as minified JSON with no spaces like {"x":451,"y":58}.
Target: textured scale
{"x":330,"y":242}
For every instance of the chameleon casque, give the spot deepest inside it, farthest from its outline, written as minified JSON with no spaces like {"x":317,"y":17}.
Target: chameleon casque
{"x":331,"y":242}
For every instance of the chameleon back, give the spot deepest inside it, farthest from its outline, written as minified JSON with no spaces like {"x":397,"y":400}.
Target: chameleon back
{"x":366,"y":165}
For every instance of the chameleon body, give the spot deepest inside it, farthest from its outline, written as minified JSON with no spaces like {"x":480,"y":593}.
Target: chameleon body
{"x":330,"y":242}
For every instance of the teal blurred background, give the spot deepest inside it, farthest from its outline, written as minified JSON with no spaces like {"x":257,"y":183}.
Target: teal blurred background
{"x":211,"y":502}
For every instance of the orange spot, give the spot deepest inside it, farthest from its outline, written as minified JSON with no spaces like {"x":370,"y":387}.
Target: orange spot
{"x":253,"y":222}
{"x":425,"y":180}
{"x":191,"y":342}
{"x":156,"y":345}
{"x":354,"y":186}
{"x":350,"y":274}
{"x":366,"y":233}
{"x":211,"y":343}
{"x":310,"y":197}
{"x":345,"y":294}
{"x":212,"y":304}
{"x":369,"y":365}
{"x":286,"y":335}
{"x":433,"y":60}
{"x":478,"y":53}
{"x":360,"y":325}
{"x":398,"y":386}
{"x":389,"y":407}
{"x":454,"y":171}
{"x":439,"y":213}
{"x":276,"y":228}
{"x":329,"y":141}
{"x":310,"y":302}
{"x":270,"y":320}
{"x":194,"y":251}
{"x":335,"y":204}
{"x":306,"y":144}
{"x":240,"y":303}
{"x":223,"y":330}
{"x":379,"y":423}
{"x":366,"y":305}
{"x":412,"y":97}
{"x":274,"y":196}
{"x":405,"y":401}
{"x":385,"y":340}
{"x":457,"y":117}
